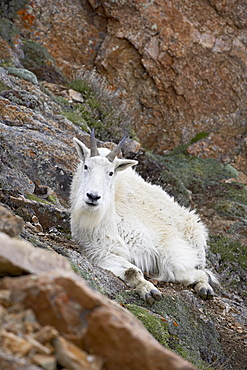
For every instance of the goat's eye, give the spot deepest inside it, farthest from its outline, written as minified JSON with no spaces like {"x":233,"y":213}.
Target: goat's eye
{"x":85,"y":167}
{"x":110,"y":173}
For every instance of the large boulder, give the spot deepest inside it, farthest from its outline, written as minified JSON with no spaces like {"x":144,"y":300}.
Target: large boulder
{"x":87,"y":321}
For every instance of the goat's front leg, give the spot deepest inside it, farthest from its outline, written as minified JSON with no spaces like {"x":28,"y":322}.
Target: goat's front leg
{"x":132,"y":276}
{"x":147,"y":291}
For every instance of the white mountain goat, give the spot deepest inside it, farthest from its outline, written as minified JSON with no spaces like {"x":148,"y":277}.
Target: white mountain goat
{"x":129,"y":226}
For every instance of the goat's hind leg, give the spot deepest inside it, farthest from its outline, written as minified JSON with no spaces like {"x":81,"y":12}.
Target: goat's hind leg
{"x":205,"y":289}
{"x":179,"y":261}
{"x":201,"y":280}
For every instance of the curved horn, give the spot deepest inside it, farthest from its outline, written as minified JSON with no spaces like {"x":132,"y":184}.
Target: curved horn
{"x":93,"y":145}
{"x":112,"y":155}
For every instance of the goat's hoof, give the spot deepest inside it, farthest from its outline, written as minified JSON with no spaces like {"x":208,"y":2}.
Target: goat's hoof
{"x":156,"y":294}
{"x":153,"y":296}
{"x":149,"y":299}
{"x":205,"y":293}
{"x":210,"y":294}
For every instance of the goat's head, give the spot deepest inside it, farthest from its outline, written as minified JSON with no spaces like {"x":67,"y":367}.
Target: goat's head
{"x":98,"y":169}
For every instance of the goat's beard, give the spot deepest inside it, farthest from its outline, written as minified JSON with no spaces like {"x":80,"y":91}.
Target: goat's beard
{"x":88,"y":217}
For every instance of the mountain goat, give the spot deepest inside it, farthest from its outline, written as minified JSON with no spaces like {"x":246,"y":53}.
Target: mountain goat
{"x":129,"y":226}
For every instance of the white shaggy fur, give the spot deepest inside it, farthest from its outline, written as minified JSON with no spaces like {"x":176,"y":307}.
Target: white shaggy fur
{"x":129,"y":227}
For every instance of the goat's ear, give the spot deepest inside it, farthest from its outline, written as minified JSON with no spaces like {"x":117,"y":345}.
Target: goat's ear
{"x":81,"y":149}
{"x":123,"y":164}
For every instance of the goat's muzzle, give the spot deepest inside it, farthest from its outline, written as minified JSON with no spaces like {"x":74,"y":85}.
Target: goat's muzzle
{"x":92,"y":199}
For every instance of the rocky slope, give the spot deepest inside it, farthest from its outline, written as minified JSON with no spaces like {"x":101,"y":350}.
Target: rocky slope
{"x":37,"y":161}
{"x":39,"y":115}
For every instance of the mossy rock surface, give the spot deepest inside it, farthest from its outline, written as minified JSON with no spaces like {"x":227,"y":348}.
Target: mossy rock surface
{"x":179,"y":327}
{"x":192,"y":178}
{"x":230,"y":208}
{"x":196,"y":173}
{"x":155,"y":324}
{"x":230,"y":260}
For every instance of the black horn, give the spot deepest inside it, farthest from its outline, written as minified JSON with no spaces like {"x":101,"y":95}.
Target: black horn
{"x":93,"y":145}
{"x":112,"y":155}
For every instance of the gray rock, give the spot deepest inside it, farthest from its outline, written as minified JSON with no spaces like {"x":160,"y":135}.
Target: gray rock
{"x":23,"y":73}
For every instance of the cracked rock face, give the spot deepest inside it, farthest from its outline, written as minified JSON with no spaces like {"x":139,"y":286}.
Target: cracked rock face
{"x":179,"y":65}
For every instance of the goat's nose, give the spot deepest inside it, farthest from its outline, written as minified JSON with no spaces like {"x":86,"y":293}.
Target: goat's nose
{"x":93,"y":197}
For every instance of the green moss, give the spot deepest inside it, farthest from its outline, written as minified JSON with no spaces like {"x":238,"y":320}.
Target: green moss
{"x":233,"y":209}
{"x":183,"y":352}
{"x":94,"y":103}
{"x":203,"y":179}
{"x":156,"y":325}
{"x":237,"y":192}
{"x":177,"y":326}
{"x":60,"y":100}
{"x":182,"y":148}
{"x":52,"y":198}
{"x":36,"y":199}
{"x":232,"y":263}
{"x":38,"y":60}
{"x":196,"y":173}
{"x":5,"y":63}
{"x":230,"y":250}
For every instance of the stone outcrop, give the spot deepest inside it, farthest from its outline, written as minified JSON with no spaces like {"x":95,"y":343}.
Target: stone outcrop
{"x":52,"y":317}
{"x":180,"y":66}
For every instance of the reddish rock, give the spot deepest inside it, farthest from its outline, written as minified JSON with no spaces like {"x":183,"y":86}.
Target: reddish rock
{"x":15,"y":344}
{"x":19,"y":257}
{"x":114,"y":334}
{"x":60,"y":300}
{"x":180,"y":66}
{"x":10,"y":362}
{"x":9,"y":223}
{"x":45,"y":362}
{"x":73,"y":358}
{"x":46,"y":334}
{"x":92,"y":322}
{"x":42,"y":213}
